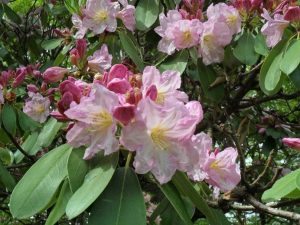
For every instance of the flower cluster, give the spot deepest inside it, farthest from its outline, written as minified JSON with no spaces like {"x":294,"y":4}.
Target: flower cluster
{"x":210,"y":37}
{"x":144,"y":113}
{"x":99,"y":16}
{"x":286,"y":13}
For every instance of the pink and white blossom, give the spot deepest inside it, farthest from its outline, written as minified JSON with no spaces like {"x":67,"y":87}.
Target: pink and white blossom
{"x":100,"y":16}
{"x":166,"y":85}
{"x":37,"y":107}
{"x":224,"y":13}
{"x":292,"y":142}
{"x":273,"y":29}
{"x":95,"y":126}
{"x":158,"y":136}
{"x":127,"y":15}
{"x":101,"y":60}
{"x":78,"y":24}
{"x":212,"y":44}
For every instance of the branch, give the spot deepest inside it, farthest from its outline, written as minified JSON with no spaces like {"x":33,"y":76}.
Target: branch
{"x":275,"y":212}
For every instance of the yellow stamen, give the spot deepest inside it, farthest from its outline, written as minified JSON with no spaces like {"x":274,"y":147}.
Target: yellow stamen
{"x":101,"y":16}
{"x":158,"y":136}
{"x":231,"y":19}
{"x":187,"y":36}
{"x":102,"y":119}
{"x":40,"y":109}
{"x":160,"y":98}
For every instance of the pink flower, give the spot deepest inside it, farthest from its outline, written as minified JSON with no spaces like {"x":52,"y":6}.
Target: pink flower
{"x":166,"y":44}
{"x":37,"y":107}
{"x":95,"y":126}
{"x":185,"y":33}
{"x":127,"y":15}
{"x":54,"y":74}
{"x":212,"y":44}
{"x":225,"y":14}
{"x":216,"y":168}
{"x":124,"y":113}
{"x":77,"y":22}
{"x":158,"y":135}
{"x":101,"y":15}
{"x":20,"y":76}
{"x":222,"y":170}
{"x":77,"y":55}
{"x":292,"y":14}
{"x":166,"y":85}
{"x":292,"y":142}
{"x":273,"y":29}
{"x":1,"y":95}
{"x":101,"y":60}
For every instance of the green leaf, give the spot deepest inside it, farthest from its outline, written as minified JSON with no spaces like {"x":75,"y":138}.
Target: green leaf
{"x":174,"y":197}
{"x":146,"y":13}
{"x":62,"y":55}
{"x":77,"y":169}
{"x":60,"y":206}
{"x":244,"y":51}
{"x":130,"y":47}
{"x":184,"y":185}
{"x":285,"y":187}
{"x":12,"y":15}
{"x":6,"y":178}
{"x":94,"y":184}
{"x":270,"y":71}
{"x":121,"y":203}
{"x":9,"y":119}
{"x":27,"y":146}
{"x":40,"y":183}
{"x":26,"y":123}
{"x":206,"y":77}
{"x":46,"y":136}
{"x":177,"y":62}
{"x":260,"y":45}
{"x":52,"y":43}
{"x":291,"y":59}
{"x":295,"y":77}
{"x":6,"y":156}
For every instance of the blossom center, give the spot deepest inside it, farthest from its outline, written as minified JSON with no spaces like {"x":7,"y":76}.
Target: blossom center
{"x":208,"y":40}
{"x":101,"y":15}
{"x":159,"y":138}
{"x":103,"y":119}
{"x":40,"y":109}
{"x":187,"y":36}
{"x":160,"y":99}
{"x":231,"y":19}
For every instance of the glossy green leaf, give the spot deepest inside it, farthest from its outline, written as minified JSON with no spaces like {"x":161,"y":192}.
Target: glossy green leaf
{"x":177,"y":62}
{"x":26,"y":123}
{"x":260,"y":45}
{"x":6,"y":178}
{"x":52,"y":43}
{"x":94,"y":184}
{"x":244,"y":51}
{"x":6,"y":156}
{"x":146,"y":13}
{"x":130,"y":46}
{"x":295,"y":77}
{"x":184,"y":185}
{"x":27,"y":146}
{"x":46,"y":136}
{"x":40,"y":183}
{"x":122,"y":202}
{"x":60,"y":206}
{"x":9,"y":119}
{"x":62,"y":55}
{"x":291,"y":59}
{"x":206,"y":77}
{"x":270,"y":71}
{"x":176,"y":201}
{"x":77,"y":169}
{"x":285,"y":187}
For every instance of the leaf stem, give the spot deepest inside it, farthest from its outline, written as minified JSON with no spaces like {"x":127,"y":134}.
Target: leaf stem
{"x":129,"y":156}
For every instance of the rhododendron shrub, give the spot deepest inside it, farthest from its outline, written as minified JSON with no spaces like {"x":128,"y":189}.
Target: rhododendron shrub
{"x":149,"y":112}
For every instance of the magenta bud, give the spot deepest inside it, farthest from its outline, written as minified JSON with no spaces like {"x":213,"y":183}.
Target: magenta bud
{"x":59,"y":116}
{"x":292,"y":142}
{"x":81,"y":47}
{"x":32,"y":88}
{"x":117,"y":71}
{"x":119,"y":86}
{"x":124,"y":113}
{"x":292,"y":14}
{"x":54,"y":74}
{"x":69,"y":86}
{"x":21,"y":73}
{"x":74,"y":57}
{"x":64,"y":103}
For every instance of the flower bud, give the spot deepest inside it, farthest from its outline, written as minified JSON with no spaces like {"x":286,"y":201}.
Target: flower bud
{"x":124,"y":113}
{"x":32,"y":88}
{"x":292,"y":142}
{"x":54,"y":74}
{"x":292,"y":14}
